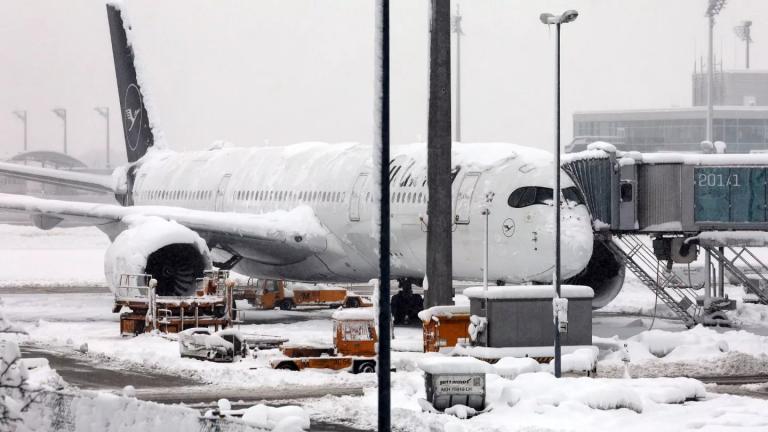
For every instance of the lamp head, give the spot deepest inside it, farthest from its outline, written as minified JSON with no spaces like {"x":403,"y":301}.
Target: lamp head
{"x":568,"y":16}
{"x":565,"y":17}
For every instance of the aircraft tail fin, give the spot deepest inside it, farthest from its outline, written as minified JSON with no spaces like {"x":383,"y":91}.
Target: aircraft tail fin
{"x":138,"y":133}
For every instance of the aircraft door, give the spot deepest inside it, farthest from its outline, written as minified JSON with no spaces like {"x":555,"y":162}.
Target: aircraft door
{"x":354,"y":199}
{"x":464,"y":197}
{"x":221,"y":192}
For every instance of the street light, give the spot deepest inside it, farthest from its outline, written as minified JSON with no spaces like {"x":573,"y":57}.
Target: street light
{"x":104,"y":111}
{"x":62,"y":114}
{"x":557,"y":20}
{"x":456,"y":27}
{"x":744,"y":33}
{"x":22,"y":115}
{"x":713,"y":9}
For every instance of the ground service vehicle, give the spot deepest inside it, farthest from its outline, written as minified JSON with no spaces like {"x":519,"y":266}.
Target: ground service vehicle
{"x":142,"y":309}
{"x":269,"y":294}
{"x":354,"y":346}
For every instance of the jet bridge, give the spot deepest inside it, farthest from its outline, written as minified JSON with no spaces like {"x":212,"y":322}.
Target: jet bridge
{"x":685,"y":203}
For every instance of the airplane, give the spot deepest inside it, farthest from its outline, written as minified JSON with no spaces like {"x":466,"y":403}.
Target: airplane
{"x":305,"y":212}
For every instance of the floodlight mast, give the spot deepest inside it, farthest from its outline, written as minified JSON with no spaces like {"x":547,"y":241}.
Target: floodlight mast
{"x":713,"y":9}
{"x":744,"y":33}
{"x":22,"y":115}
{"x":62,"y":114}
{"x":557,"y":20}
{"x":456,"y":27}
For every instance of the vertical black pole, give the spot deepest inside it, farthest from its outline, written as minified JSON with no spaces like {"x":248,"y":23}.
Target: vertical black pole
{"x":556,"y":193}
{"x":383,"y":367}
{"x":439,"y":206}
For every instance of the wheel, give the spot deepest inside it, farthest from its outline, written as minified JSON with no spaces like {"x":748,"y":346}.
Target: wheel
{"x":287,"y":366}
{"x":286,"y":304}
{"x":366,"y":367}
{"x":353,"y":302}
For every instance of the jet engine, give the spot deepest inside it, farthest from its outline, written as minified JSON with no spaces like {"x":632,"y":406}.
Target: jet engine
{"x":171,"y":253}
{"x":604,"y":274}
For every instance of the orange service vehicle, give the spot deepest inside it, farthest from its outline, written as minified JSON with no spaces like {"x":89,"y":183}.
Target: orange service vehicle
{"x":444,"y":326}
{"x":353,"y":350}
{"x":269,"y":294}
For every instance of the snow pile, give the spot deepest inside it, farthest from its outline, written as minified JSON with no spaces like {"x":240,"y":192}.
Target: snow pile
{"x":699,"y":351}
{"x":454,"y":365}
{"x":539,"y":401}
{"x":437,"y":312}
{"x":354,"y":314}
{"x":105,"y":412}
{"x":277,"y":419}
{"x":7,"y":326}
{"x":580,"y":360}
{"x":511,"y":367}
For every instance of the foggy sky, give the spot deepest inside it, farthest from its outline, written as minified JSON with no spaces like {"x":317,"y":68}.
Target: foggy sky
{"x":256,"y":72}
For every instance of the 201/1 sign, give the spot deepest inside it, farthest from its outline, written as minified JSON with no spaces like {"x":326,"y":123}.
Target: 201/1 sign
{"x":717,"y":180}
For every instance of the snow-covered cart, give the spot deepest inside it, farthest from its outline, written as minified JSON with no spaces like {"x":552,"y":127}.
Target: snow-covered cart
{"x":223,"y":346}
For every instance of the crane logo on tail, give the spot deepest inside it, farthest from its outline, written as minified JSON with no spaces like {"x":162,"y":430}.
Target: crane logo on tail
{"x":133,"y":116}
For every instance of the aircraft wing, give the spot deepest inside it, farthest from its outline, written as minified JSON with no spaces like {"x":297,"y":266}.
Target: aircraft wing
{"x":279,"y":237}
{"x":74,"y":179}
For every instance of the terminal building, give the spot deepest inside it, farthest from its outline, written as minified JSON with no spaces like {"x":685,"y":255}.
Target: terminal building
{"x":740,"y":119}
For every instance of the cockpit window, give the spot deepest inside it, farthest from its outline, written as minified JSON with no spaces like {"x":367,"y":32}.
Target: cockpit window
{"x":573,"y":196}
{"x":530,"y":195}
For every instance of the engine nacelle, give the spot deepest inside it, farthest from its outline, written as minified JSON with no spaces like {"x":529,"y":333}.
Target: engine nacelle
{"x":173,"y":254}
{"x":604,"y":274}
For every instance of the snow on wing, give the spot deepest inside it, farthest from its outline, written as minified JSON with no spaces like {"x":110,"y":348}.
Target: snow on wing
{"x":286,"y":236}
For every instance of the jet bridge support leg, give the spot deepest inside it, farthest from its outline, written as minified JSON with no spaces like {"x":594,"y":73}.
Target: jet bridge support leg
{"x":745,"y":267}
{"x":668,"y":288}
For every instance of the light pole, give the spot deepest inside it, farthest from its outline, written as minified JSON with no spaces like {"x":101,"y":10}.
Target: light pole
{"x":381,"y":141}
{"x":62,"y":114}
{"x":22,"y":115}
{"x":744,"y":32}
{"x":104,"y":111}
{"x":557,"y":20}
{"x":459,"y":33}
{"x":713,"y":9}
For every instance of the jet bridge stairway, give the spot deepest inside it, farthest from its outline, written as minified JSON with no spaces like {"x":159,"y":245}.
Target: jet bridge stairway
{"x":745,"y":259}
{"x":641,"y":261}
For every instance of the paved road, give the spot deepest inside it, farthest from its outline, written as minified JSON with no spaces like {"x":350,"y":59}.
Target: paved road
{"x":150,"y":385}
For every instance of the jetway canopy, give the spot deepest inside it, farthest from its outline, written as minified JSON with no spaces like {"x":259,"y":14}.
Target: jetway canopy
{"x":671,"y":192}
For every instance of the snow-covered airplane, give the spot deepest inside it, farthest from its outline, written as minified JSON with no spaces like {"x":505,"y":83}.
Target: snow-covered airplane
{"x":304,"y":212}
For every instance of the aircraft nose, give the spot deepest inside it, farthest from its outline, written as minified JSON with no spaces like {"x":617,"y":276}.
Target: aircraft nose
{"x":576,"y":240}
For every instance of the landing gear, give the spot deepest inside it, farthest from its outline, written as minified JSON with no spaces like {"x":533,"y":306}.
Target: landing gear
{"x":405,"y":304}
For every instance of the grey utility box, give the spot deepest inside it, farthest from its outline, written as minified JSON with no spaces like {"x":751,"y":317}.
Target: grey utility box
{"x":521,"y":315}
{"x":453,"y":381}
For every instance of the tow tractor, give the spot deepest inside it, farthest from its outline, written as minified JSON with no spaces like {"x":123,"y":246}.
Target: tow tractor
{"x":269,"y":294}
{"x":212,"y":305}
{"x":354,"y":346}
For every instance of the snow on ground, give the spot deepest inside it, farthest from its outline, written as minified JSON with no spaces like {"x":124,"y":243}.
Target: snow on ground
{"x":533,"y":399}
{"x":635,"y":298}
{"x":538,"y":401}
{"x":60,"y":256}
